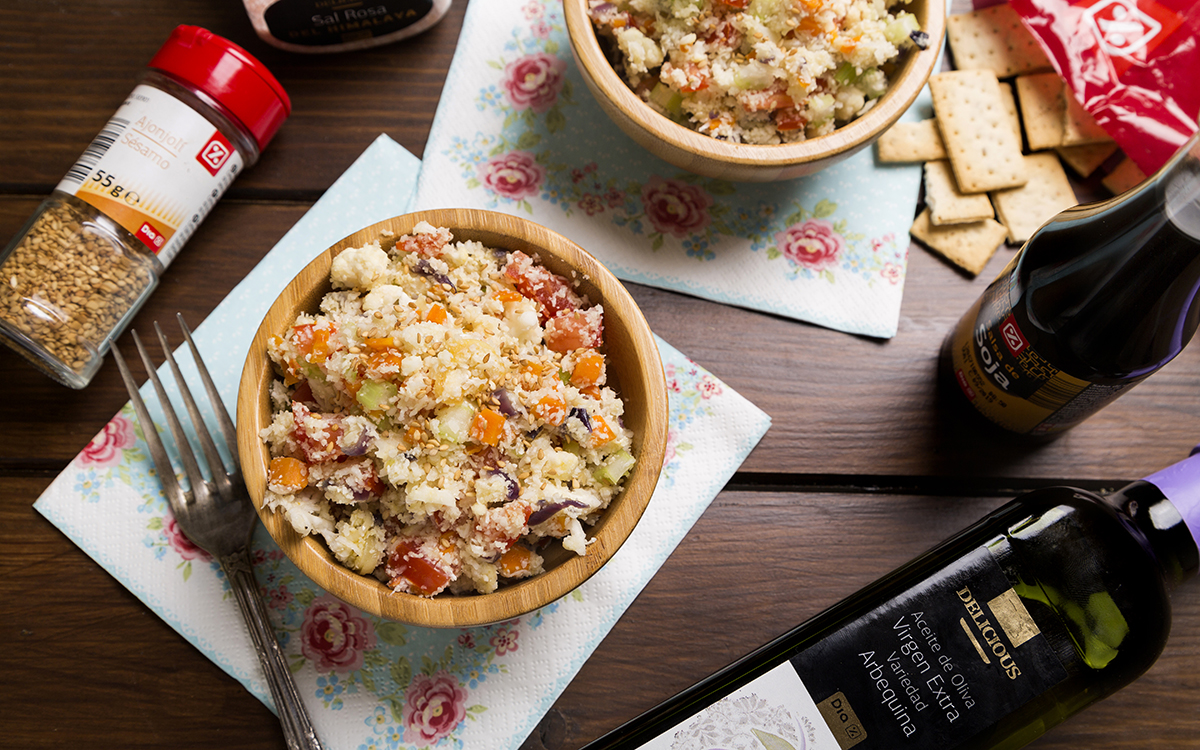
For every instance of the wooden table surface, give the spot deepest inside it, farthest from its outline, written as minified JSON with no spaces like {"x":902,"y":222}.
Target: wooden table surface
{"x":861,"y":470}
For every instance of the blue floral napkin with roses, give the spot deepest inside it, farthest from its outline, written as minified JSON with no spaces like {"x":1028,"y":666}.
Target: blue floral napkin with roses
{"x":370,"y":683}
{"x":517,"y":130}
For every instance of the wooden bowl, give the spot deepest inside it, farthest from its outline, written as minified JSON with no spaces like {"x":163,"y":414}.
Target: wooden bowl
{"x":739,"y":162}
{"x":634,"y":371}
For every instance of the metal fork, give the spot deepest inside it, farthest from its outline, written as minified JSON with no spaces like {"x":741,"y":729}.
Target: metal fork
{"x":216,"y":515}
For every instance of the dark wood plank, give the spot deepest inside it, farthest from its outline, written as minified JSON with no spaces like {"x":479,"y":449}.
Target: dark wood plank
{"x":755,"y":564}
{"x":67,"y":67}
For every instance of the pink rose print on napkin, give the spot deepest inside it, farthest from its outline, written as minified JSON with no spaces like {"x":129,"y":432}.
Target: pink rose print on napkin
{"x":105,"y":448}
{"x":513,"y":175}
{"x":433,"y":706}
{"x":534,"y":81}
{"x":505,"y":641}
{"x":334,"y":636}
{"x":675,"y":207}
{"x":181,"y":543}
{"x":812,"y":244}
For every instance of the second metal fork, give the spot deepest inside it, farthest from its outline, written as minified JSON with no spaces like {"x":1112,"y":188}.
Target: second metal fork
{"x":216,"y":515}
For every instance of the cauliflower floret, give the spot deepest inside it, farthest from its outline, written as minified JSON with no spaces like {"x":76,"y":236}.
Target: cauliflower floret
{"x":641,"y":52}
{"x":359,"y":267}
{"x":359,"y":542}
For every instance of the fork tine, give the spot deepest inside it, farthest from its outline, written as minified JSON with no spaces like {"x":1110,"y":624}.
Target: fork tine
{"x":166,"y":472}
{"x":216,"y":466}
{"x":214,"y":397}
{"x":190,"y":467}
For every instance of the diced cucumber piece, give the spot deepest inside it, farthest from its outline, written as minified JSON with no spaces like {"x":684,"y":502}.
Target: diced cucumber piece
{"x":753,"y":76}
{"x":614,"y":467}
{"x":454,"y":422}
{"x":900,"y":27}
{"x":374,"y":395}
{"x":670,"y":100}
{"x":845,"y":73}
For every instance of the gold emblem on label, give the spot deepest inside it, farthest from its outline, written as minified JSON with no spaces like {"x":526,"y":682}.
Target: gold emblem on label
{"x":1014,"y":619}
{"x":842,"y":721}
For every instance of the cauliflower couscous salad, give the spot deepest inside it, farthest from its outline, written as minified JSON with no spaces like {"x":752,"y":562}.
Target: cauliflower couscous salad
{"x":757,"y":71}
{"x":444,"y":415}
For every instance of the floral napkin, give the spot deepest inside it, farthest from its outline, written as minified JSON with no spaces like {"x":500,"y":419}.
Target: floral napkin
{"x":517,"y":130}
{"x":370,"y":683}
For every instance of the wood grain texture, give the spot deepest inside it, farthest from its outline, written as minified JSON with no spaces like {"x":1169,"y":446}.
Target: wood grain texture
{"x":863,"y":467}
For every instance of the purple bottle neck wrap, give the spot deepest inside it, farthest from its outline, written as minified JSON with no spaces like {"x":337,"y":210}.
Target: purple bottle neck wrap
{"x":1180,"y":483}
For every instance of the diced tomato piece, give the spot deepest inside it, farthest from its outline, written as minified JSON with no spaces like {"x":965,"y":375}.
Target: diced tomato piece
{"x":317,"y":434}
{"x":552,"y":293}
{"x":551,"y":410}
{"x":790,"y":119}
{"x":577,"y":329}
{"x":303,"y":393}
{"x":289,"y":474}
{"x":429,"y":245}
{"x":423,"y":575}
{"x":487,"y":427}
{"x":312,"y":341}
{"x":589,"y":369}
{"x":696,"y":78}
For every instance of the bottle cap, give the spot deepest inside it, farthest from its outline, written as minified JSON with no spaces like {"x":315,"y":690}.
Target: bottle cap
{"x":1180,"y":483}
{"x":230,"y":75}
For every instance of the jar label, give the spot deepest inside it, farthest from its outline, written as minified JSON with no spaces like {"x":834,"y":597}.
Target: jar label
{"x":157,"y":168}
{"x":1008,"y":381}
{"x":316,"y":23}
{"x":927,"y":670}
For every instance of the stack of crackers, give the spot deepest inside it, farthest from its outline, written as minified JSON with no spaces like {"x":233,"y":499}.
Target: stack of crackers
{"x":976,"y":170}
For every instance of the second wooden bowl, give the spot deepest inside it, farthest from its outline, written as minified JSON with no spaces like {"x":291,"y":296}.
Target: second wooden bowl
{"x":740,"y":162}
{"x":634,"y":371}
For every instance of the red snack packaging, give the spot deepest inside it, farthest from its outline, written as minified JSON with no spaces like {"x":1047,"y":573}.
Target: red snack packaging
{"x":1133,"y":64}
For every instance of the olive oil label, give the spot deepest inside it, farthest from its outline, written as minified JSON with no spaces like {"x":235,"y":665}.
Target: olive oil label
{"x":934,"y":666}
{"x":1008,"y":381}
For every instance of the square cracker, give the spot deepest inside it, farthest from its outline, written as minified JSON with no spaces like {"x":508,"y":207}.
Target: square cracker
{"x":1026,"y":208}
{"x":1043,"y":108}
{"x":977,"y":130}
{"x":1125,"y":176}
{"x":948,"y":205}
{"x":911,"y":142}
{"x":1087,"y":157}
{"x":994,"y":39}
{"x":1078,"y":124}
{"x":1010,"y":106}
{"x":968,"y":246}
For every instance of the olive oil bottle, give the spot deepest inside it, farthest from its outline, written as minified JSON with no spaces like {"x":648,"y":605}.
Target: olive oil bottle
{"x":1097,"y":300}
{"x":1047,"y":605}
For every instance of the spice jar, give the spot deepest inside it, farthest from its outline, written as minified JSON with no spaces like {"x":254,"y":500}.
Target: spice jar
{"x":92,"y":253}
{"x":327,"y":26}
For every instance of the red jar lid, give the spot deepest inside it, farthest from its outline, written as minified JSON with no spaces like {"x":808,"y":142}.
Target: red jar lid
{"x":229,"y":74}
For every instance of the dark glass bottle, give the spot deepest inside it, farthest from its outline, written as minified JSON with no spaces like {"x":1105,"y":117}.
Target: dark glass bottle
{"x":1100,"y":298}
{"x":1047,"y":605}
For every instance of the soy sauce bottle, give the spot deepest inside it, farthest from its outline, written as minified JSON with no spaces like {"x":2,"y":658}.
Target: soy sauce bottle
{"x":1047,"y":605}
{"x":1098,"y":299}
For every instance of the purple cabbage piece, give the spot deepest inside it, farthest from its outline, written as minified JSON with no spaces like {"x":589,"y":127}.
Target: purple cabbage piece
{"x":360,"y":447}
{"x":505,"y":401}
{"x":582,"y":415}
{"x":543,"y":514}
{"x":512,"y":489}
{"x":424,"y":268}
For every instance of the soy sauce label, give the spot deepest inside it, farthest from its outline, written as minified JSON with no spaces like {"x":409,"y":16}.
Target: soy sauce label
{"x":934,"y":666}
{"x":1007,"y":380}
{"x":315,"y":23}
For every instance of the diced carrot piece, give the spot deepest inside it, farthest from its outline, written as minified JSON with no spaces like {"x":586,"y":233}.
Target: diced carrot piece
{"x":386,"y":358}
{"x":592,"y":391}
{"x":551,"y":410}
{"x":288,"y":473}
{"x":517,"y":561}
{"x":589,"y":369}
{"x":380,"y":343}
{"x":601,"y":432}
{"x":436,"y":314}
{"x":487,"y":427}
{"x":508,"y":295}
